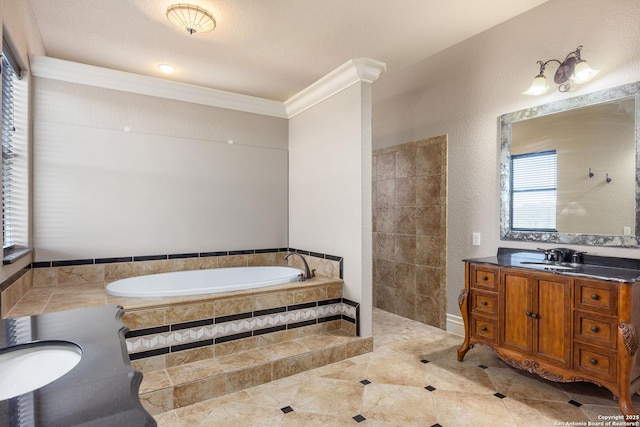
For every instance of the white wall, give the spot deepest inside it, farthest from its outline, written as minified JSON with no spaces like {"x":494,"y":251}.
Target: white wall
{"x":120,"y":174}
{"x":330,"y":187}
{"x":462,"y":91}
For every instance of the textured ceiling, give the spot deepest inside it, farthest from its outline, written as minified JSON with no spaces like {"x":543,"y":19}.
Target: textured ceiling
{"x":267,"y":48}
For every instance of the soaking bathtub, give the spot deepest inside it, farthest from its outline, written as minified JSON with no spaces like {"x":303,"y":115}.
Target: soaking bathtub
{"x":199,"y":282}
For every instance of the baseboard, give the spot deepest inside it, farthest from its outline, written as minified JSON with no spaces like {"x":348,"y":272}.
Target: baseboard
{"x":455,"y":325}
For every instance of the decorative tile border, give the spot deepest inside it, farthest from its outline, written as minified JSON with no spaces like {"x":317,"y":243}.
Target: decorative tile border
{"x":148,"y":342}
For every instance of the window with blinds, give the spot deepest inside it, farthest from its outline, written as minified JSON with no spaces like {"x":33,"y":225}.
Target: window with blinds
{"x":534,"y":179}
{"x":10,"y":73}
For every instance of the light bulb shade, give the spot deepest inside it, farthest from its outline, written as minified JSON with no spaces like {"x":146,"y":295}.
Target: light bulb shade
{"x":192,"y":18}
{"x":583,"y":72}
{"x":538,"y":87}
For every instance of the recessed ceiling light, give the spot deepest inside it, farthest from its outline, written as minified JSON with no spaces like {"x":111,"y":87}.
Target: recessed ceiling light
{"x":166,"y":68}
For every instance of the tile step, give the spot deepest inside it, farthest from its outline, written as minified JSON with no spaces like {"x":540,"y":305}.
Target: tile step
{"x":179,"y":386}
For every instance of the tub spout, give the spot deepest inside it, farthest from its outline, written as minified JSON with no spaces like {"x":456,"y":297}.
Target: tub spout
{"x":308,"y":274}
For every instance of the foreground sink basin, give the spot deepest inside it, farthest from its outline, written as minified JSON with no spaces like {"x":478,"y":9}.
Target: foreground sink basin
{"x":547,"y":265}
{"x":28,"y":367}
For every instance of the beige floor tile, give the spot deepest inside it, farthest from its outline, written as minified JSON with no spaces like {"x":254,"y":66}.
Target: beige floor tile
{"x":329,"y":397}
{"x":240,"y":415}
{"x":469,"y":409}
{"x":453,"y":376}
{"x":390,"y":370}
{"x":542,"y":413}
{"x":521,"y":385}
{"x":398,"y":404}
{"x":396,"y":397}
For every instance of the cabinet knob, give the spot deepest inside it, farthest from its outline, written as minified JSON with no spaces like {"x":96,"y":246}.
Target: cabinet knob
{"x":484,"y":328}
{"x":595,"y":297}
{"x":485,"y":278}
{"x":594,"y":329}
{"x":484,"y":303}
{"x":534,"y":315}
{"x":527,"y":313}
{"x":593,"y":361}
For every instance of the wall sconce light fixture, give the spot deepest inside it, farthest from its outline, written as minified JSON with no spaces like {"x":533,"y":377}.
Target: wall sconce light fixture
{"x":573,"y":69}
{"x":190,"y":17}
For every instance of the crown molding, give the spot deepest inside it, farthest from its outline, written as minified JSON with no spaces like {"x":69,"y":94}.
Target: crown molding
{"x":351,"y":72}
{"x":74,"y":72}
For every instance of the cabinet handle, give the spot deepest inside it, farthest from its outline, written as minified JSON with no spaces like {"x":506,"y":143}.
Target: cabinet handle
{"x":594,"y":329}
{"x":595,"y":297}
{"x":484,"y":328}
{"x":484,"y":303}
{"x":593,"y":361}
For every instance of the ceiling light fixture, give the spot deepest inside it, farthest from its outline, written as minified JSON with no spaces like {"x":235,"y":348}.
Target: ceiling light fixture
{"x":166,"y":68}
{"x":573,"y":69}
{"x":192,"y":18}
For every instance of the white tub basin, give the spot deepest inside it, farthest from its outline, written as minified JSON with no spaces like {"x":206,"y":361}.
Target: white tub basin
{"x":28,"y":367}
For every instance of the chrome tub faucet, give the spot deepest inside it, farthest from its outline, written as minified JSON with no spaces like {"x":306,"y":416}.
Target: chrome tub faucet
{"x":308,"y":274}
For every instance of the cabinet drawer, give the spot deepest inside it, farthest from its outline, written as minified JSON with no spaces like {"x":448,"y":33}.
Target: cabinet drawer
{"x":484,"y":276}
{"x":594,"y":361}
{"x":596,"y":296}
{"x":483,"y":328}
{"x":595,"y":329}
{"x":484,"y":302}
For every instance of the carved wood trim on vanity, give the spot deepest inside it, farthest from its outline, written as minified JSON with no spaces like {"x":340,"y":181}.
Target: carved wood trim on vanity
{"x":629,"y":337}
{"x":502,"y":308}
{"x":534,"y":367}
{"x":461,"y":297}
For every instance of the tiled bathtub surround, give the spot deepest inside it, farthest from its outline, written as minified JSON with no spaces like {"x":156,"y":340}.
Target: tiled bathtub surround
{"x":182,"y":336}
{"x":16,"y":287}
{"x":409,"y":230}
{"x":88,"y":275}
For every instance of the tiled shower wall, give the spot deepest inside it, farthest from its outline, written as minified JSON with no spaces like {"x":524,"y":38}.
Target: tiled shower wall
{"x":409,"y":230}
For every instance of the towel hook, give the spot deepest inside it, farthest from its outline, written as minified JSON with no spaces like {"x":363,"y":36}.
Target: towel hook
{"x":590,"y":173}
{"x":608,"y":179}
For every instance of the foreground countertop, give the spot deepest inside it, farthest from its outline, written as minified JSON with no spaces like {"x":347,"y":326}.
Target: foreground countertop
{"x":622,"y":270}
{"x":102,"y":390}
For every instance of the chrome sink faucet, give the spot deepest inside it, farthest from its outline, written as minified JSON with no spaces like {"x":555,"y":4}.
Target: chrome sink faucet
{"x":308,"y":274}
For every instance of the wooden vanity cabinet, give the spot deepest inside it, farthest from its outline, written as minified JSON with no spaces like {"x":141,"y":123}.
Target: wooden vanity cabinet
{"x":535,"y":311}
{"x":560,"y":327}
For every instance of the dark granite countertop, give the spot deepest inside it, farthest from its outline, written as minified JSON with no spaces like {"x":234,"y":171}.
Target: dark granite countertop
{"x":101,"y":391}
{"x":622,"y":270}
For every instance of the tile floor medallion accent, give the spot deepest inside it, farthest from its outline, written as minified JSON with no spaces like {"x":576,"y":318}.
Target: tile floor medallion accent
{"x":402,"y":391}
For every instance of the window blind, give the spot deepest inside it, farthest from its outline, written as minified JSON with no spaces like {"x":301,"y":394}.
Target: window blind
{"x":533,"y":191}
{"x":10,"y":72}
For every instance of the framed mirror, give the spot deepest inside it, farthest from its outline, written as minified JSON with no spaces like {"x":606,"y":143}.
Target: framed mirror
{"x":569,"y":170}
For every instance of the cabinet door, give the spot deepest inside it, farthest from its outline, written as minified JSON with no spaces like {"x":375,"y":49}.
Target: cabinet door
{"x":514,"y":304}
{"x":552,"y":319}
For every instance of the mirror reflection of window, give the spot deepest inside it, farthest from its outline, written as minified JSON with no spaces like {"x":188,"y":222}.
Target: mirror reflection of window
{"x":598,"y":138}
{"x":534,"y":191}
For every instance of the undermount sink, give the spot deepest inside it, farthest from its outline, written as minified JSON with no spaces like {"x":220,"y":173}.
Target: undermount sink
{"x":548,"y":265}
{"x":29,"y":367}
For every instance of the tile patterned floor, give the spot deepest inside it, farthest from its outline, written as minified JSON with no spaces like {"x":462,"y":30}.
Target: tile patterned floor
{"x":412,"y":378}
